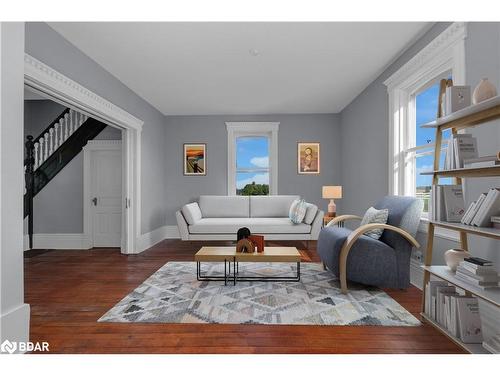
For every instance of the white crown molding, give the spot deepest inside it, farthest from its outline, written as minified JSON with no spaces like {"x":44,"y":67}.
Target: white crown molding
{"x":103,"y":144}
{"x":454,"y":33}
{"x":40,"y":77}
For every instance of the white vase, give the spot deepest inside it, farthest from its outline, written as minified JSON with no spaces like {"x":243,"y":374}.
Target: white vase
{"x":453,"y":257}
{"x":483,"y":91}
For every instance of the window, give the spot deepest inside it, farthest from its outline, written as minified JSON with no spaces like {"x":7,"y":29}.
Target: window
{"x":252,"y":158}
{"x":252,"y":165}
{"x":420,"y":154}
{"x":413,"y":94}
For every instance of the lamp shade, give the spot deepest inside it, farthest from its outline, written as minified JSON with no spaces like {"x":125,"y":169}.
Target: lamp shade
{"x":332,"y":192}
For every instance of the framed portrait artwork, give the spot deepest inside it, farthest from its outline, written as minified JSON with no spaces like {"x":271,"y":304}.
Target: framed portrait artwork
{"x":195,"y":159}
{"x":308,"y":158}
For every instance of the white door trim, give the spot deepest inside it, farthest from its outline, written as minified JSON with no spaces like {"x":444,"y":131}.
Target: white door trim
{"x":94,"y":145}
{"x":42,"y":78}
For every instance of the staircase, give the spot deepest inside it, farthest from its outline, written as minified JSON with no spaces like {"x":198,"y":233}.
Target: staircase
{"x":51,"y":151}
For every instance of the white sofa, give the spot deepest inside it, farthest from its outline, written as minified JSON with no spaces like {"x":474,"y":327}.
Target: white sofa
{"x":216,"y":217}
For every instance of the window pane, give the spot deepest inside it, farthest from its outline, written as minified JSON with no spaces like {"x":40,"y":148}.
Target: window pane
{"x":426,"y":104}
{"x":252,"y":183}
{"x":252,"y":152}
{"x":424,"y":182}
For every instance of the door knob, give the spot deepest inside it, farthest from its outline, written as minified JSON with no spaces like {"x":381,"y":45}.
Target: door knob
{"x":94,"y":201}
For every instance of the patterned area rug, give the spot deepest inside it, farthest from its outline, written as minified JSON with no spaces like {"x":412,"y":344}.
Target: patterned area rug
{"x":173,"y":295}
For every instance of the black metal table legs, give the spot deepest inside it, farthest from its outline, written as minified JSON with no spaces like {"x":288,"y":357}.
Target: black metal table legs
{"x":234,"y":276}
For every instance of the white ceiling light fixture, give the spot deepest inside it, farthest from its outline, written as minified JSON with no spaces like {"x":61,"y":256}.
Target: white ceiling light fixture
{"x":254,"y":52}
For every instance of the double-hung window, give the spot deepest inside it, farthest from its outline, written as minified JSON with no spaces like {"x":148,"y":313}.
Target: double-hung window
{"x":252,"y":158}
{"x":413,"y":100}
{"x":418,"y":150}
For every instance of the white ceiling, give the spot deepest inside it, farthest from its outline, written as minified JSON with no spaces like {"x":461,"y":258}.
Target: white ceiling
{"x":208,"y":68}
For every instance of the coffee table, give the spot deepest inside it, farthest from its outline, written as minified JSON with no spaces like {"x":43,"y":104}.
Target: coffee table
{"x":229,"y":255}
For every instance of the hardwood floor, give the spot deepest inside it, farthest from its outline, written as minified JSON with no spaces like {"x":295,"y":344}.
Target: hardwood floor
{"x":68,"y":290}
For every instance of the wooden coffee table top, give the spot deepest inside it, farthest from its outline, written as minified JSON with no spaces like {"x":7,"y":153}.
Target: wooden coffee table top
{"x":270,"y":254}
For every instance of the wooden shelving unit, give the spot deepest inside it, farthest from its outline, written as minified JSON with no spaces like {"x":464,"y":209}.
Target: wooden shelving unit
{"x":472,"y":116}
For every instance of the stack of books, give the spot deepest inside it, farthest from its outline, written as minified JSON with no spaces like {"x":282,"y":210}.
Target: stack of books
{"x":481,"y":210}
{"x":495,"y":220}
{"x":452,"y":310}
{"x":460,"y":147}
{"x":478,"y":272}
{"x":447,"y":203}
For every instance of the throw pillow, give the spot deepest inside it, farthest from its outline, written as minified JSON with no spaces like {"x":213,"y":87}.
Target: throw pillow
{"x":372,"y":215}
{"x":191,"y":213}
{"x":297,"y":211}
{"x":311,"y":212}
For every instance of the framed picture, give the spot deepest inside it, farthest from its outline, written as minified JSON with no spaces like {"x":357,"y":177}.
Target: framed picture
{"x":308,"y":160}
{"x":195,"y":159}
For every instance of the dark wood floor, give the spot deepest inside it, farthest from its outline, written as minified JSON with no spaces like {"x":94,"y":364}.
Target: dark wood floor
{"x":69,"y":290}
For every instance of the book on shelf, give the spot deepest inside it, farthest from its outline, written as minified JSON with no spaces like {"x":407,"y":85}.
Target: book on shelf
{"x":469,"y":320}
{"x":468,"y":213}
{"x":460,"y":147}
{"x":482,"y":161}
{"x":464,"y":148}
{"x":441,"y":312}
{"x":489,"y":207}
{"x":447,"y":203}
{"x":430,"y":295}
{"x":477,"y":269}
{"x":475,"y":208}
{"x":483,"y":281}
{"x":495,"y":219}
{"x":454,"y":203}
{"x":479,"y":261}
{"x":453,"y":311}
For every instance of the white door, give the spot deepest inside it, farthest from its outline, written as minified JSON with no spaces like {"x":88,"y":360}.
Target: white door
{"x":106,"y":197}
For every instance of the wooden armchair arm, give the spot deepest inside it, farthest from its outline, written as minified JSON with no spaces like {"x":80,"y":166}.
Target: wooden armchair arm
{"x":351,"y":239}
{"x":342,"y":218}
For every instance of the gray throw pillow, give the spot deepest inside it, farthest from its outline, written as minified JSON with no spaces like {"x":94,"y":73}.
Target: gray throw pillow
{"x":372,"y":215}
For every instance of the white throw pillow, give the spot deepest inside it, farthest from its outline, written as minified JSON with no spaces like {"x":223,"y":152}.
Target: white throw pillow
{"x":372,"y":215}
{"x":297,"y":211}
{"x":191,"y":212}
{"x":311,"y":212}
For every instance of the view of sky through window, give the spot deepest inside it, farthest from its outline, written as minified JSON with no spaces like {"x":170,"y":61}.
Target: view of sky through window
{"x":426,"y":110}
{"x":252,"y":165}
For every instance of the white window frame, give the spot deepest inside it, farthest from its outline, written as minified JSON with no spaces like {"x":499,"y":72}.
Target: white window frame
{"x":446,"y":53}
{"x":256,"y":129}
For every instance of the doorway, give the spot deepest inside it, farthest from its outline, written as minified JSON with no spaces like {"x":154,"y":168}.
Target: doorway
{"x":103,"y":193}
{"x":43,"y":79}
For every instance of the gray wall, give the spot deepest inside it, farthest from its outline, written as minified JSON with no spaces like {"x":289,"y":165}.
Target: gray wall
{"x":58,"y":208}
{"x":212,"y":131}
{"x":45,"y":44}
{"x":364,"y":132}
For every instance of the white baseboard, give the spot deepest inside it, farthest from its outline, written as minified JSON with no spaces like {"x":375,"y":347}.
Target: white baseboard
{"x":416,"y":273}
{"x":150,"y":239}
{"x":58,"y":241}
{"x":16,"y":324}
{"x":172,"y":232}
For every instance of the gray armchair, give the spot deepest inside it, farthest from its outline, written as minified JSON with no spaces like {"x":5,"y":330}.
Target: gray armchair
{"x":385,"y":262}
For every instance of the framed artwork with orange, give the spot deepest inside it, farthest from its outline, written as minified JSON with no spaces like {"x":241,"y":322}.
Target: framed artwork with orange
{"x":195,"y":159}
{"x":308,"y":158}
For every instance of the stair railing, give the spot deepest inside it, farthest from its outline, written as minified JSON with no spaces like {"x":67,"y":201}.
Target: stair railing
{"x":38,"y":150}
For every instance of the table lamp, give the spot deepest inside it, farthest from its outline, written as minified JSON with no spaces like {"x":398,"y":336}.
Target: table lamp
{"x":332,"y":192}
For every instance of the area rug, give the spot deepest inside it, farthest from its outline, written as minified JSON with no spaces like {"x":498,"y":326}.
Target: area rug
{"x":173,"y":295}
